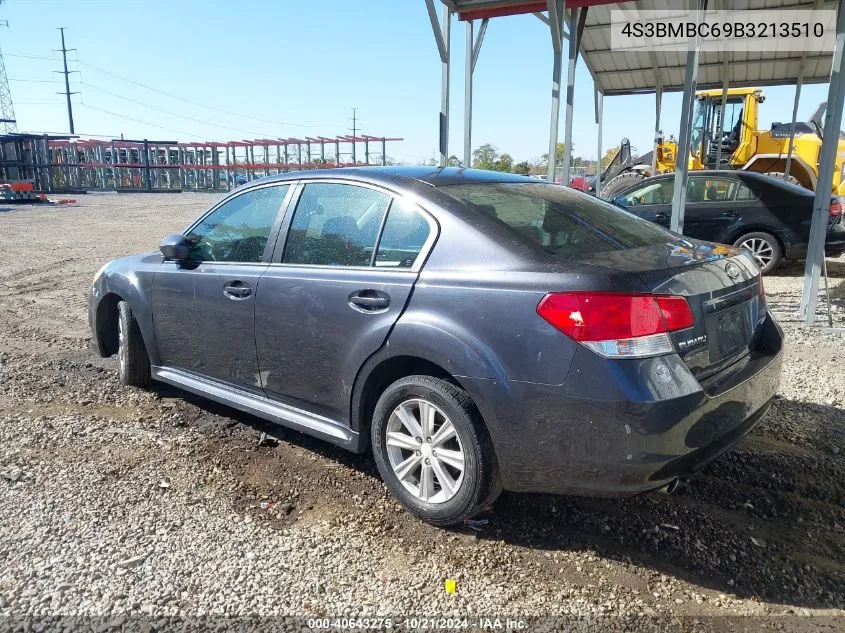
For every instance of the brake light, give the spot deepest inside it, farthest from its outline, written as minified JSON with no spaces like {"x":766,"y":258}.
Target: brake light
{"x":617,"y":324}
{"x":762,"y":289}
{"x":837,"y":208}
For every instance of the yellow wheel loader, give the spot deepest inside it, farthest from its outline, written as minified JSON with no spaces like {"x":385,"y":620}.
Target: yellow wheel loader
{"x":743,"y":145}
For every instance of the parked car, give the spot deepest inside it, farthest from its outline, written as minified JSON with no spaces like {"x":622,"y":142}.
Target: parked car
{"x":583,"y":183}
{"x":766,"y":215}
{"x":474,"y":330}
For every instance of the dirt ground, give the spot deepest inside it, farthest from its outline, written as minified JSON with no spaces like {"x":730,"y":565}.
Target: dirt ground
{"x":119,"y":501}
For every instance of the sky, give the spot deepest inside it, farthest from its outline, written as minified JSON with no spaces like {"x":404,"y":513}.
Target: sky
{"x":198,"y":70}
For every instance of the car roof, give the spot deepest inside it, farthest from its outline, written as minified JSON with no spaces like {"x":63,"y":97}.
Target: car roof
{"x":435,"y":176}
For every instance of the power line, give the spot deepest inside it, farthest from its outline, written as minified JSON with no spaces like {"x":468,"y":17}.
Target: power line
{"x":129,"y":118}
{"x":37,"y":81}
{"x":52,"y":59}
{"x":197,"y":103}
{"x":171,"y":113}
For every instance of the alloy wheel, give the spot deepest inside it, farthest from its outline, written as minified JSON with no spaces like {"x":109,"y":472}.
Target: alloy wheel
{"x":761,"y":249}
{"x":121,"y":344}
{"x":424,"y":451}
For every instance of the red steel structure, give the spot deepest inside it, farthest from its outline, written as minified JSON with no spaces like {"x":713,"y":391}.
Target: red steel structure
{"x":70,"y":163}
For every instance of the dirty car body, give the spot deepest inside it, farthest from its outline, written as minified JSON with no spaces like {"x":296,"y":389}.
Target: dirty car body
{"x":477,"y":287}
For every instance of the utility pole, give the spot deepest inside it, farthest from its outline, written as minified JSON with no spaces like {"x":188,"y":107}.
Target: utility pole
{"x":66,"y":73}
{"x":8,"y":123}
{"x":354,"y":131}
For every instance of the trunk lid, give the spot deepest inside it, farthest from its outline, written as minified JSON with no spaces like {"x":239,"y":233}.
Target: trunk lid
{"x":721,"y":285}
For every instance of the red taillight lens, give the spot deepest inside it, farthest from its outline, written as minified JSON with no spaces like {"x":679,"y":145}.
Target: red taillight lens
{"x":762,"y":289}
{"x":837,"y":208}
{"x":604,"y":316}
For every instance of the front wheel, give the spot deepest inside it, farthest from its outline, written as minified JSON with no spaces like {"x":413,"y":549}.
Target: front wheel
{"x":432,"y":450}
{"x":764,"y":247}
{"x":133,"y":362}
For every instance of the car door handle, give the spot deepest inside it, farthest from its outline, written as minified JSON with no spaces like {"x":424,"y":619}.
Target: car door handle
{"x":660,"y":216}
{"x":237,"y":290}
{"x":369,"y":300}
{"x":729,"y":214}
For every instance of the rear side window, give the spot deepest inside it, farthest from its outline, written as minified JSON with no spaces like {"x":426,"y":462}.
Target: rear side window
{"x":335,"y":225}
{"x":710,"y":189}
{"x":559,"y":220}
{"x":405,"y":233}
{"x":744,"y":193}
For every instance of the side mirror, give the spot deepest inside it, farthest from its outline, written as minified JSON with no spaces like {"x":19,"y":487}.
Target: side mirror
{"x":175,"y":247}
{"x":621,"y":201}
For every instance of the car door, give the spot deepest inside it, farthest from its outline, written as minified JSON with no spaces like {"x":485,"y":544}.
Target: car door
{"x":651,"y":200}
{"x":347,"y":260}
{"x":203,"y":309}
{"x":714,"y":205}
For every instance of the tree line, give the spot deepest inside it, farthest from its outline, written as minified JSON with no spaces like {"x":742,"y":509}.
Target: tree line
{"x":488,"y":157}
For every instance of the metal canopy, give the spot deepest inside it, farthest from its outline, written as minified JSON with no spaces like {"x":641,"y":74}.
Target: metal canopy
{"x":630,"y":72}
{"x":627,"y":72}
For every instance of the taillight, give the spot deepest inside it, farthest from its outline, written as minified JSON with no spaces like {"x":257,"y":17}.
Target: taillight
{"x":616,"y":324}
{"x":762,"y":289}
{"x":837,"y":208}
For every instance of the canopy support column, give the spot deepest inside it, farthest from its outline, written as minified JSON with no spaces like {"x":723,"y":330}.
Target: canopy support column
{"x":556,"y":9}
{"x":685,"y":133}
{"x":442,"y":37}
{"x":575,"y":33}
{"x":658,"y":104}
{"x":599,"y":98}
{"x":824,"y":185}
{"x":798,"y":85}
{"x":472,"y":50}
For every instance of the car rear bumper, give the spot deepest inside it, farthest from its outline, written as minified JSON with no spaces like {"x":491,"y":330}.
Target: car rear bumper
{"x":834,"y":244}
{"x":618,"y":428}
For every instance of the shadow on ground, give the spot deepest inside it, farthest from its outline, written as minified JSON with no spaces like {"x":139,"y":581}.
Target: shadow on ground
{"x":766,"y":520}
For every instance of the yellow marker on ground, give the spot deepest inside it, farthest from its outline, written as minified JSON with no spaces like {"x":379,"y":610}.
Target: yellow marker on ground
{"x":451,"y":586}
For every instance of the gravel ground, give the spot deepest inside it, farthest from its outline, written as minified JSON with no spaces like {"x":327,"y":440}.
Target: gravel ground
{"x":116,"y":501}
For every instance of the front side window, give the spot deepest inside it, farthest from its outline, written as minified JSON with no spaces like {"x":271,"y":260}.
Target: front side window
{"x":652,"y":193}
{"x":405,"y":232}
{"x":238,"y":230}
{"x":335,"y":225}
{"x":559,"y":220}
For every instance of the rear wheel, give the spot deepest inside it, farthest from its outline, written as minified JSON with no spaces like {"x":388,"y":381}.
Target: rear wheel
{"x":132,"y":356}
{"x":620,"y":183}
{"x":432,"y":450}
{"x":764,"y":247}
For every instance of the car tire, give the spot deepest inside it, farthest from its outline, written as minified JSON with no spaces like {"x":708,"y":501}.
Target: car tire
{"x":782,"y":176}
{"x":764,"y":247}
{"x":620,"y":183}
{"x":133,"y":361}
{"x":448,"y":495}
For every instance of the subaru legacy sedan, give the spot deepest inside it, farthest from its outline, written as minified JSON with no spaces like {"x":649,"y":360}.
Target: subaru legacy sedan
{"x":476,"y":331}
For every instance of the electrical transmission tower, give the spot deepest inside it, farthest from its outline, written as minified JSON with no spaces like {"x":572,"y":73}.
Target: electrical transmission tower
{"x":8,"y":123}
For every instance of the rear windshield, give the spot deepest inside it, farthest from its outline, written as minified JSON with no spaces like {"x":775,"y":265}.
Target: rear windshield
{"x":561,"y":221}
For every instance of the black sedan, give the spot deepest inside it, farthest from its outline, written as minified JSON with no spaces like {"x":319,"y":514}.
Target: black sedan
{"x":766,"y":215}
{"x":474,"y":330}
